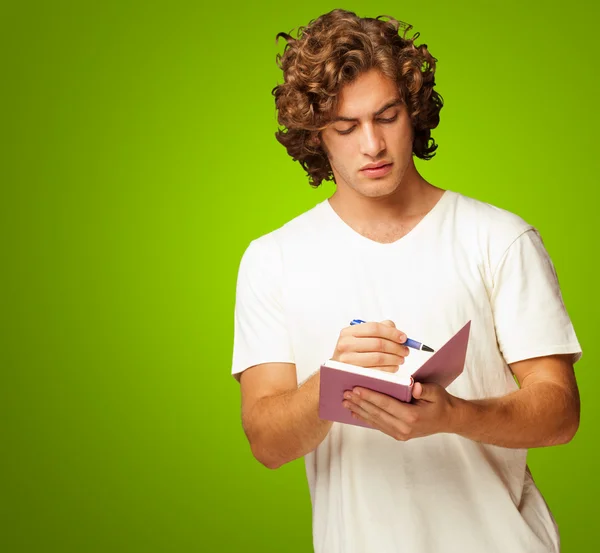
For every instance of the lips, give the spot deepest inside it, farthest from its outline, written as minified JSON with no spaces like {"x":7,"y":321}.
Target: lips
{"x":367,"y":168}
{"x":380,"y":171}
{"x":378,"y":167}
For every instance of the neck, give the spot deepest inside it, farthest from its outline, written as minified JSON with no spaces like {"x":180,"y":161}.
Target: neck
{"x":411,"y":199}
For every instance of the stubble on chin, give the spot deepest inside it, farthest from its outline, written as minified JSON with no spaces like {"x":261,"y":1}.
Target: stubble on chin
{"x":378,"y":188}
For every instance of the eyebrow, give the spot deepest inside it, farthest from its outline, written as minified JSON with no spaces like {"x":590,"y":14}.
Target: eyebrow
{"x":378,"y":112}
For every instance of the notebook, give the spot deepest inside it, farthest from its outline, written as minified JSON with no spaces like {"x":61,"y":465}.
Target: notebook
{"x":443,"y":367}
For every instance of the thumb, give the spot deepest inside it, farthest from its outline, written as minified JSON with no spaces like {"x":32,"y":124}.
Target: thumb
{"x":387,"y":322}
{"x":424,"y":391}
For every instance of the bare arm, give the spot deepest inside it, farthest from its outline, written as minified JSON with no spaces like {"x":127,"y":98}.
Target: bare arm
{"x":280,"y":419}
{"x":544,"y":412}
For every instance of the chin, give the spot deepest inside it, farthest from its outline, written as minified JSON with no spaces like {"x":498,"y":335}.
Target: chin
{"x":377,"y":189}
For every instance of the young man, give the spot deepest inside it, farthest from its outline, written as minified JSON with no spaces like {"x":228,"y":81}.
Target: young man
{"x":446,"y":472}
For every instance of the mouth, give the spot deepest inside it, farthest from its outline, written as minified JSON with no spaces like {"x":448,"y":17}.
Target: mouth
{"x":378,"y":171}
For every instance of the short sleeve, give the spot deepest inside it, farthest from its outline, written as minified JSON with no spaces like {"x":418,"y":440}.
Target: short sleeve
{"x":260,"y":332}
{"x":529,"y":313}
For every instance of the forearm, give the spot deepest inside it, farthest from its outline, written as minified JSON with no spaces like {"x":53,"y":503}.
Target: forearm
{"x":286,"y":426}
{"x":541,"y":414}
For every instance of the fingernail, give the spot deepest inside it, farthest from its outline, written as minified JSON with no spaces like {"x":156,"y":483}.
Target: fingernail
{"x":347,"y":395}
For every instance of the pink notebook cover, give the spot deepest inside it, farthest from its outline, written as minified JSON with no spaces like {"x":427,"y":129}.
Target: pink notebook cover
{"x":442,"y":368}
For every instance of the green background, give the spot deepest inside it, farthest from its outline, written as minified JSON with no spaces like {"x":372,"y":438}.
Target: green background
{"x":139,"y":160}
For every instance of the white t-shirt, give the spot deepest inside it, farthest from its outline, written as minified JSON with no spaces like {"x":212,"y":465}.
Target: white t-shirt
{"x":299,"y":285}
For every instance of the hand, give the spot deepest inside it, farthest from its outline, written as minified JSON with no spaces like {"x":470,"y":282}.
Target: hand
{"x":374,"y":345}
{"x":433,"y":410}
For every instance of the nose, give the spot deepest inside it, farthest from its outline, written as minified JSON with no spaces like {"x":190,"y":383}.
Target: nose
{"x":371,"y":141}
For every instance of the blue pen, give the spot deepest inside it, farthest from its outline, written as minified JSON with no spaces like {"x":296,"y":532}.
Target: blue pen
{"x":410,"y":343}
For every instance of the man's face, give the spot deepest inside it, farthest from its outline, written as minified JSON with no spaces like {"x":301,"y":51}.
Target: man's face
{"x":372,"y":126}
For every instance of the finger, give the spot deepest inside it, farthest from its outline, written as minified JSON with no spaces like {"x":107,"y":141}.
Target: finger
{"x":426,"y":392}
{"x":365,"y":344}
{"x":387,"y":322}
{"x":377,"y":330}
{"x":398,"y":409}
{"x":387,"y":368}
{"x":356,"y":409}
{"x":378,"y":418}
{"x":357,"y":417}
{"x":371,"y":359}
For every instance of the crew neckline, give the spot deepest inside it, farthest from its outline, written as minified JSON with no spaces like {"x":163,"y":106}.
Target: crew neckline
{"x":408,"y":237}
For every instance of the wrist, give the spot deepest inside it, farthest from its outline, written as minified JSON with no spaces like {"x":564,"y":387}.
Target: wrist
{"x":461,"y":412}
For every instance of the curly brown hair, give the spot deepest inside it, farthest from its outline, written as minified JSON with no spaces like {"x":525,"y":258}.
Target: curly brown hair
{"x":334,"y":50}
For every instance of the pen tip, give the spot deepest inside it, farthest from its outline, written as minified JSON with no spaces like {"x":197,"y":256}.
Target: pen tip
{"x":426,"y":348}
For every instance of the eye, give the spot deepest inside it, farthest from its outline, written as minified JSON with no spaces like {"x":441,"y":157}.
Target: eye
{"x":390,"y":120}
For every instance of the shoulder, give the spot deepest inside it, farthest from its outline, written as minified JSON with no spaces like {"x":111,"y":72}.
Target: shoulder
{"x":490,"y":219}
{"x":490,"y":229}
{"x":302,"y":229}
